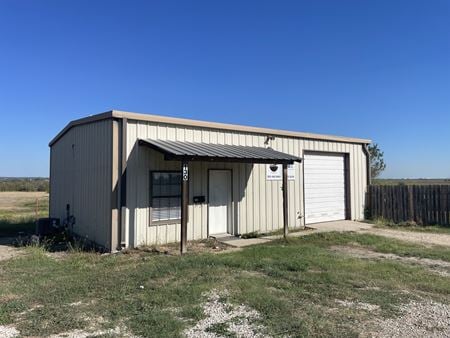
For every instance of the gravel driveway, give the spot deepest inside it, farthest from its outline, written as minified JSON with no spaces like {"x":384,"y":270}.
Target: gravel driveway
{"x":411,"y":236}
{"x":366,"y":228}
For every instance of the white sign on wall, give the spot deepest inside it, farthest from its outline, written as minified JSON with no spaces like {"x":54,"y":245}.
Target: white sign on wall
{"x":291,"y":172}
{"x":274,"y":172}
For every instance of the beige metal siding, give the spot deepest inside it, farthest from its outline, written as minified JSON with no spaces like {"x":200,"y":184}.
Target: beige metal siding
{"x":257,"y":202}
{"x":81,"y":175}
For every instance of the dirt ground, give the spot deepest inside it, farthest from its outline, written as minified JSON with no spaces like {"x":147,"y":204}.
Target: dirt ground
{"x":7,"y":250}
{"x":415,"y":237}
{"x":362,"y":227}
{"x":434,"y":265}
{"x":209,"y":245}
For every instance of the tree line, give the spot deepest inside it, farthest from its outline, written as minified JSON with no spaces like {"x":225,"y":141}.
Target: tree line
{"x":24,"y":184}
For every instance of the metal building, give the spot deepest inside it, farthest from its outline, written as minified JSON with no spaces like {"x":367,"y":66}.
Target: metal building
{"x":132,"y":179}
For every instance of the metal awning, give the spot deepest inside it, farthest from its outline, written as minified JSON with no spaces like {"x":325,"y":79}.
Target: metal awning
{"x":191,"y":151}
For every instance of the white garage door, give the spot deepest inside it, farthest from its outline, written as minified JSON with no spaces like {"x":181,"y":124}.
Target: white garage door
{"x":324,"y":188}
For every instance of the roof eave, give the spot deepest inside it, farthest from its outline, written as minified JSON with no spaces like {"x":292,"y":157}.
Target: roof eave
{"x":92,"y":118}
{"x":204,"y":124}
{"x":235,"y":127}
{"x":177,"y":150}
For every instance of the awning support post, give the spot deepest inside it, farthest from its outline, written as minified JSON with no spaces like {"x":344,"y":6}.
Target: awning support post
{"x":184,"y":204}
{"x":285,"y":200}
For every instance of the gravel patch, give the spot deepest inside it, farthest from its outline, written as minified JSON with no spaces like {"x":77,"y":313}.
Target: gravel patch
{"x":225,"y":319}
{"x":358,"y":305}
{"x":418,"y":319}
{"x":94,"y":329}
{"x":438,"y":266}
{"x":119,"y":330}
{"x":8,"y":331}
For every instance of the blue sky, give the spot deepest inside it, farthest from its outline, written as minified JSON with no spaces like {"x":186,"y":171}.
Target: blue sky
{"x":373,"y":69}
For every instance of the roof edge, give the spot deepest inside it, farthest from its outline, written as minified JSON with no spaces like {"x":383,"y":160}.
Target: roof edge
{"x":205,"y":124}
{"x":84,"y":120}
{"x":235,"y":127}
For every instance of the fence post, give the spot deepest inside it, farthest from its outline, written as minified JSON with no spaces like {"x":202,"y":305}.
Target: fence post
{"x":411,"y":203}
{"x":37,"y":209}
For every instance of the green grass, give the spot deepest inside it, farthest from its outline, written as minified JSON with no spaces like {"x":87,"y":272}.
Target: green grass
{"x":293,"y":284}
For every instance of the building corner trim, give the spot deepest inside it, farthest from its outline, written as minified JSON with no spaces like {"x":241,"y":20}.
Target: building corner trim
{"x":366,"y":152}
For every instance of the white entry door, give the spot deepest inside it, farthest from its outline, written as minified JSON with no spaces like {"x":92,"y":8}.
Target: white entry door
{"x":324,"y":187}
{"x":219,"y":206}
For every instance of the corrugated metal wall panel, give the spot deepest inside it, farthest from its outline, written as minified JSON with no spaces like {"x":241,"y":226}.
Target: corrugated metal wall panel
{"x":258,"y":201}
{"x":81,"y":176}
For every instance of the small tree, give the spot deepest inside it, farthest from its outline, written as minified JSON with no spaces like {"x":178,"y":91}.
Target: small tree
{"x":377,"y":164}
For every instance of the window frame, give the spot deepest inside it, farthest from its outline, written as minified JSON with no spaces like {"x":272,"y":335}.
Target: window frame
{"x":150,"y":204}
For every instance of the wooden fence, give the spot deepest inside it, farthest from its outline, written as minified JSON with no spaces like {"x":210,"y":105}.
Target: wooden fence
{"x":423,"y":204}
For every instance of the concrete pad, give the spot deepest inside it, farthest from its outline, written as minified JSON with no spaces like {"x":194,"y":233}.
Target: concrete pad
{"x":238,"y":242}
{"x":340,"y":226}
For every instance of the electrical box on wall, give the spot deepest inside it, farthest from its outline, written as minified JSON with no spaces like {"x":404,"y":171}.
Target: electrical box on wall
{"x":199,"y":199}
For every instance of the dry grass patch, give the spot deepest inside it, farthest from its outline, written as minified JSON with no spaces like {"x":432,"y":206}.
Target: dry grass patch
{"x":435,"y":265}
{"x":18,"y":211}
{"x":20,"y":201}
